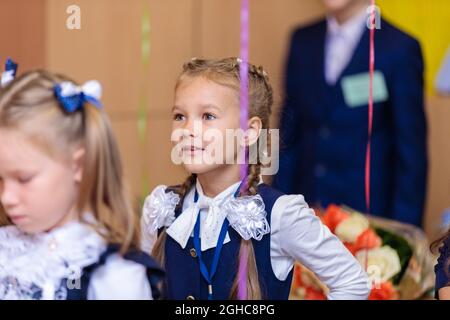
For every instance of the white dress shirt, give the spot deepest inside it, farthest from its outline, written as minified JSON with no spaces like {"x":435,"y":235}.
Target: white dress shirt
{"x":297,"y":234}
{"x":341,"y":42}
{"x":119,"y":279}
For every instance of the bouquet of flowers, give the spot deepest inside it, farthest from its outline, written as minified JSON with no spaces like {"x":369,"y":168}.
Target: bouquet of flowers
{"x":395,"y":256}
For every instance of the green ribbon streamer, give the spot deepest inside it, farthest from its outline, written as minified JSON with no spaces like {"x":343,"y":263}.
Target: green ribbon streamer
{"x":142,"y":121}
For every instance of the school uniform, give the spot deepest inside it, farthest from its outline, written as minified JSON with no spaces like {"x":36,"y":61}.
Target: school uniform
{"x":290,"y":231}
{"x":72,"y":262}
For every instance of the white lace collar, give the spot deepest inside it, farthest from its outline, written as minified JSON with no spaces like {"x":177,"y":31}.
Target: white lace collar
{"x":246,"y":215}
{"x":31,"y":263}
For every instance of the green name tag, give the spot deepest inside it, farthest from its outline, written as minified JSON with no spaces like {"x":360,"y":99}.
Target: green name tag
{"x":356,"y":89}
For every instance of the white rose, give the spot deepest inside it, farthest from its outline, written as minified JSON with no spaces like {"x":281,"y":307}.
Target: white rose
{"x":383,"y":263}
{"x":349,"y":229}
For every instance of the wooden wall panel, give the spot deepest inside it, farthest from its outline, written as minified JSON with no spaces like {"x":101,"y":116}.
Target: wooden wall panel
{"x":108,"y":48}
{"x":271,"y":24}
{"x":438,"y":113}
{"x":22,"y":33}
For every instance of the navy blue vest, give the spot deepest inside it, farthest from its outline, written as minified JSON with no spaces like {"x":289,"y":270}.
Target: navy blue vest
{"x":183,"y":277}
{"x":154,"y":272}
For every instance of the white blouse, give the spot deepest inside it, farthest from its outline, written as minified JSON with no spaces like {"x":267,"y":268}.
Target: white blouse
{"x":36,"y":264}
{"x":297,"y":234}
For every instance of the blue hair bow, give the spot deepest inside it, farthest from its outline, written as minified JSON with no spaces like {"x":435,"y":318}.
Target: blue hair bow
{"x":72,"y":97}
{"x":10,"y":72}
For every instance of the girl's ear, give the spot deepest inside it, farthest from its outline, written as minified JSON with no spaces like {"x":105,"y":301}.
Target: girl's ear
{"x":78,"y":160}
{"x":253,"y":131}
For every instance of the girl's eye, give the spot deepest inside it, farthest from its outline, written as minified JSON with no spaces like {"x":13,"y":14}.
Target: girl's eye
{"x":24,"y":180}
{"x":178,"y":117}
{"x":209,"y":116}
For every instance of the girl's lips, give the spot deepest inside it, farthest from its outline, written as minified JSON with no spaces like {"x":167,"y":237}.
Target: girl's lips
{"x":16,"y":219}
{"x":192,"y":148}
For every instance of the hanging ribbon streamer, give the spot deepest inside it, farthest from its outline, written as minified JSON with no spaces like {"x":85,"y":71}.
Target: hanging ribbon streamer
{"x":370,"y":112}
{"x":370,"y":125}
{"x":142,"y":123}
{"x":243,"y":68}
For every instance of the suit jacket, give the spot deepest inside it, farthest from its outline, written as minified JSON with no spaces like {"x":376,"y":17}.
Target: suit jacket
{"x":323,"y":140}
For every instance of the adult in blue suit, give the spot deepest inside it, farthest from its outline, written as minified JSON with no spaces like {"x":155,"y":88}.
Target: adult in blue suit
{"x":325,"y":116}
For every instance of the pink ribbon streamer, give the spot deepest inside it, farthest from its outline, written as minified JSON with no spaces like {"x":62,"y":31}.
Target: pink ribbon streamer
{"x":370,"y":125}
{"x":370,"y":117}
{"x":244,"y":99}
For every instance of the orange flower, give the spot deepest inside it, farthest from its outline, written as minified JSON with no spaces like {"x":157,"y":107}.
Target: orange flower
{"x":350,"y":247}
{"x":314,"y":294}
{"x":333,"y":216}
{"x":297,"y":281}
{"x":385,"y":291}
{"x":367,"y":240}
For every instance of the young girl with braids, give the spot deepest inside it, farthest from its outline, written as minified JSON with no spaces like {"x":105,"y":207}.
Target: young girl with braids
{"x":200,"y":229}
{"x":67,"y":229}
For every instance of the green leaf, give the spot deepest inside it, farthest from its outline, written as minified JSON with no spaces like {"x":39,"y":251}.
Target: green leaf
{"x":399,"y":244}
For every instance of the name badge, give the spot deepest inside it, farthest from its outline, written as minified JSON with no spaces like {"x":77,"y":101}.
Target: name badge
{"x":356,"y":89}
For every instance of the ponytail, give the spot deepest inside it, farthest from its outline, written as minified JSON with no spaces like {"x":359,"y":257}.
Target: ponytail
{"x":102,"y":187}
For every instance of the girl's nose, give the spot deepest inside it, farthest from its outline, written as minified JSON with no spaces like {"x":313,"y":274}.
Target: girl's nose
{"x":192,"y":128}
{"x":8,"y":198}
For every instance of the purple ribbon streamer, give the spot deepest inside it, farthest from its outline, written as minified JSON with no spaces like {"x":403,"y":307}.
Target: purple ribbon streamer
{"x":243,"y":68}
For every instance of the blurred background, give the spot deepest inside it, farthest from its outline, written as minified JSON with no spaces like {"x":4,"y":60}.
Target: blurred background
{"x":136,"y":48}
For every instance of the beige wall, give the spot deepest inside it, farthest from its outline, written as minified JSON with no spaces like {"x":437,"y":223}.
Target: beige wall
{"x":438,"y":112}
{"x":108,"y":48}
{"x":22,"y":33}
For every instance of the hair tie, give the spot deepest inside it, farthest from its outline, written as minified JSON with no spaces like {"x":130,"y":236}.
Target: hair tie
{"x":10,"y":72}
{"x":72,"y":97}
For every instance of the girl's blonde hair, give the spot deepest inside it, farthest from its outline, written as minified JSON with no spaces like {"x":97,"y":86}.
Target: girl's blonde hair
{"x":226,"y":72}
{"x":29,"y":104}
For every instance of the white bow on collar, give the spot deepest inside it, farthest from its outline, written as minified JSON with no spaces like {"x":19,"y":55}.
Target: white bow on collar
{"x":211,"y":218}
{"x":246,"y":215}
